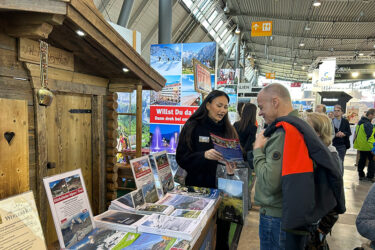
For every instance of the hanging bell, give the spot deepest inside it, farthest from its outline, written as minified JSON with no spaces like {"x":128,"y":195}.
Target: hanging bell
{"x":45,"y":96}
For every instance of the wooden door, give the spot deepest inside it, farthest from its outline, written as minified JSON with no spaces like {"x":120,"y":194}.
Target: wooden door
{"x":69,"y":135}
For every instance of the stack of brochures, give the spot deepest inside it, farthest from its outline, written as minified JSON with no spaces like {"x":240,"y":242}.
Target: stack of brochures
{"x":119,"y":220}
{"x":135,"y":202}
{"x":183,"y":228}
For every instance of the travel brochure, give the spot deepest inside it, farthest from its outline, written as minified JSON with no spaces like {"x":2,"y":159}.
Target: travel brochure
{"x":179,"y":201}
{"x":20,"y":226}
{"x":179,"y":227}
{"x":102,"y":238}
{"x":150,"y":208}
{"x":164,"y":171}
{"x":210,"y":193}
{"x":232,"y":205}
{"x":70,"y":206}
{"x":119,"y":220}
{"x":144,"y":178}
{"x":186,"y":213}
{"x":229,"y":148}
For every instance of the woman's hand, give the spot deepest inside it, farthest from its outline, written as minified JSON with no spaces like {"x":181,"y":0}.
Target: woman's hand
{"x":212,"y":154}
{"x":230,"y":167}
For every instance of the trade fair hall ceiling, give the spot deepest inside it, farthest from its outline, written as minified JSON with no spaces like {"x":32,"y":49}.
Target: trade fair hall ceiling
{"x":301,"y":32}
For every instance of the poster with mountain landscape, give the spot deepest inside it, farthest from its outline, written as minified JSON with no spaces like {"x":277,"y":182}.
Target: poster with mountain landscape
{"x":166,"y":58}
{"x":178,"y":100}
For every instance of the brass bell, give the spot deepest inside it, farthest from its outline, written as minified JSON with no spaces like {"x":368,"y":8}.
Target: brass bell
{"x":45,"y":96}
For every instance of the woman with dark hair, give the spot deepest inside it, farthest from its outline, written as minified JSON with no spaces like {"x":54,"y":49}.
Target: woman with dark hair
{"x":195,"y":151}
{"x":240,"y":108}
{"x":246,"y":128}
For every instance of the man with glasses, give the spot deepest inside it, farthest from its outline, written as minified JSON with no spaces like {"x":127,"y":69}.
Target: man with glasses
{"x":342,"y":132}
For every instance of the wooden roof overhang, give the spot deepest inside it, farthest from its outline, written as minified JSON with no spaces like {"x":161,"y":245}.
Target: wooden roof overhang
{"x":101,"y":51}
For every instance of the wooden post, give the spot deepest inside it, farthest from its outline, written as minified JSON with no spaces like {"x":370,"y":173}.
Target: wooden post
{"x":138,"y":149}
{"x":98,"y":161}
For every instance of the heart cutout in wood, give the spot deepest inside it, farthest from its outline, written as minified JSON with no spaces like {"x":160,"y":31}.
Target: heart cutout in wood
{"x":9,"y":136}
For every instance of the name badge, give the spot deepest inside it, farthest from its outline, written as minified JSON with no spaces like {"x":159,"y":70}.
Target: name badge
{"x":205,"y":139}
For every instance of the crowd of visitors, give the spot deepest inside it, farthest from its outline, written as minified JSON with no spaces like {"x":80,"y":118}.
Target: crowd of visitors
{"x":298,"y":163}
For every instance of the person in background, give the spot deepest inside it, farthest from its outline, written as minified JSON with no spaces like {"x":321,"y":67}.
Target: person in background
{"x":342,"y":132}
{"x":366,"y":219}
{"x":246,"y":129}
{"x":239,"y":108}
{"x":363,"y":142}
{"x":322,"y":125}
{"x":195,"y":150}
{"x":321,"y":108}
{"x":331,"y":115}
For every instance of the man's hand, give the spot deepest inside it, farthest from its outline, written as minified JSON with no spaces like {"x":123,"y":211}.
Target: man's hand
{"x":260,"y":141}
{"x":212,"y":154}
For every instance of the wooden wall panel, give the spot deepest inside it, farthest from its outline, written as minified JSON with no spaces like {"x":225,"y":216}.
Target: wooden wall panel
{"x":15,"y":84}
{"x":14,"y":153}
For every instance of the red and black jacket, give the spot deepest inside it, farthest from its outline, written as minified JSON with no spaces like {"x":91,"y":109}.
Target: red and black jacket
{"x":312,"y":185}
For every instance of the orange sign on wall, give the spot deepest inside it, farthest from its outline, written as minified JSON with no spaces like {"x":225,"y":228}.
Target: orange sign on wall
{"x":261,"y":28}
{"x":270,"y":75}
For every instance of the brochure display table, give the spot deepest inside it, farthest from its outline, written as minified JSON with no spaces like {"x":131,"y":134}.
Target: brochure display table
{"x":206,"y":238}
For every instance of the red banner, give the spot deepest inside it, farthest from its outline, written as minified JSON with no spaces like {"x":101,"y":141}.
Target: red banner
{"x":171,"y":114}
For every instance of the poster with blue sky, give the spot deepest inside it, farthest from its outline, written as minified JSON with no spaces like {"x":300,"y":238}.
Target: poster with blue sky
{"x":166,"y":58}
{"x":204,"y":52}
{"x":175,"y":63}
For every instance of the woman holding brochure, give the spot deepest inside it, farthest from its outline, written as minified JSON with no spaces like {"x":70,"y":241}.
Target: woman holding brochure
{"x":195,"y":151}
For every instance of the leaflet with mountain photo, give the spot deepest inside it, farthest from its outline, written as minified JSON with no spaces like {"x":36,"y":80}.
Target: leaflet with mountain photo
{"x":164,"y":171}
{"x":102,"y":238}
{"x":178,"y":227}
{"x":70,"y":206}
{"x":144,"y":179}
{"x":150,"y":208}
{"x":179,"y":201}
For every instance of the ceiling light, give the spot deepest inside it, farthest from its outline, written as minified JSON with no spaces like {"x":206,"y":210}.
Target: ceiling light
{"x":237,"y":31}
{"x":80,"y":33}
{"x":295,"y":63}
{"x":226,"y":9}
{"x":317,"y":3}
{"x":307,"y":27}
{"x":310,"y":75}
{"x":125,"y":70}
{"x":361,"y":54}
{"x":301,"y":44}
{"x":374,"y":45}
{"x":303,"y":67}
{"x":355,"y":74}
{"x":373,"y":74}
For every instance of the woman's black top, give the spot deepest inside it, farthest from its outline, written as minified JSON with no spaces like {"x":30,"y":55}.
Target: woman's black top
{"x":247,"y":137}
{"x":201,"y":171}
